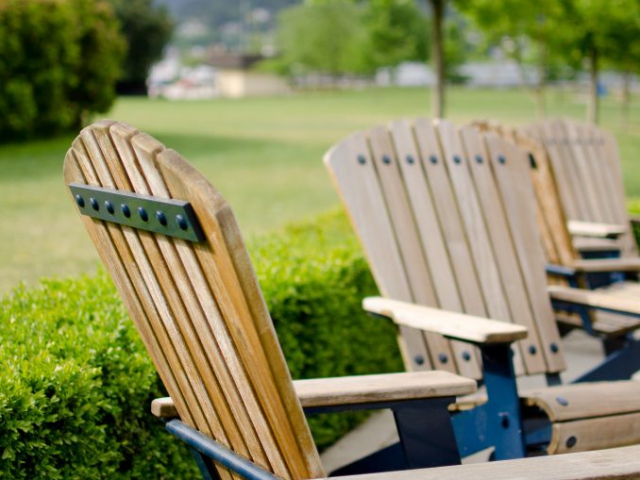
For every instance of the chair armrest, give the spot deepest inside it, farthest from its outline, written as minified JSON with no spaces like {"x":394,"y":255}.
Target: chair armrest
{"x":594,"y":265}
{"x":594,"y":299}
{"x":164,"y":408}
{"x":590,"y":244}
{"x":594,"y":229}
{"x":362,"y":389}
{"x":457,"y":326}
{"x":391,"y":387}
{"x":560,"y":270}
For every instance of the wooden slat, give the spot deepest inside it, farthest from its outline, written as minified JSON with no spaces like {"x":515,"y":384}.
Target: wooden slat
{"x":585,"y":400}
{"x":353,"y":173}
{"x":595,"y":433}
{"x":407,"y":237}
{"x":587,"y":139}
{"x":615,"y":464}
{"x":511,"y":169}
{"x":477,"y":236}
{"x":506,"y":258}
{"x":588,"y":182}
{"x":227,"y":268}
{"x":431,"y":238}
{"x":322,"y":392}
{"x":564,"y":170}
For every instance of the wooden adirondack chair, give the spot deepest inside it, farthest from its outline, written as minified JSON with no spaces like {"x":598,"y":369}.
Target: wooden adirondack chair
{"x":567,"y":265}
{"x":586,"y":165}
{"x":446,"y":219}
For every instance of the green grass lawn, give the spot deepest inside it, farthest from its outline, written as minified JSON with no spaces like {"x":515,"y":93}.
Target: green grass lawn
{"x":263,"y":154}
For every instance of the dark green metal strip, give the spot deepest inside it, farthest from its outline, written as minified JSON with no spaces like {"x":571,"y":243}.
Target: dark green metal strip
{"x":174,"y":218}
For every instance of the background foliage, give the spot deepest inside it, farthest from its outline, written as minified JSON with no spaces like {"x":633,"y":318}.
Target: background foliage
{"x":59,"y":61}
{"x":76,"y":382}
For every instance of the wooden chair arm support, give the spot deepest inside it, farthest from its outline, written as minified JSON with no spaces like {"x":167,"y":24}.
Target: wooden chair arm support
{"x":594,"y":265}
{"x":594,"y":229}
{"x":594,"y":299}
{"x":617,"y":463}
{"x":453,"y":325}
{"x":362,"y":389}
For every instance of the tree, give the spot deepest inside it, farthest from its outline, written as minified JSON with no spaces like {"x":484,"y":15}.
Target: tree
{"x":147,"y":30}
{"x":397,"y":31}
{"x":600,"y":30}
{"x":437,"y":55}
{"x":60,"y":62}
{"x":324,"y":37}
{"x":524,"y":30}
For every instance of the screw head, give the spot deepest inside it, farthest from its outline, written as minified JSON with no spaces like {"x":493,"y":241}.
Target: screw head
{"x":479,"y":159}
{"x":94,"y":204}
{"x":571,"y":441}
{"x":466,"y":356}
{"x":386,"y":159}
{"x":532,"y":349}
{"x":562,"y":401}
{"x":433,"y":159}
{"x":419,"y":359}
{"x":554,"y":348}
{"x":457,"y":159}
{"x":79,"y":200}
{"x":109,"y":206}
{"x":504,"y":420}
{"x":144,"y":216}
{"x":182,"y":222}
{"x":362,"y":159}
{"x":126,"y":211}
{"x":443,"y":358}
{"x":502,"y":159}
{"x":410,"y":159}
{"x":162,"y":218}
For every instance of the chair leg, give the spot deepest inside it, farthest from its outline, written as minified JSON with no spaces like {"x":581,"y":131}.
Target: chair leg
{"x":621,"y":364}
{"x":497,"y":423}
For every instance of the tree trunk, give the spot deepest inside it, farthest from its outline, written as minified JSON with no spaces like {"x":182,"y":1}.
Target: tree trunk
{"x":437,"y":52}
{"x":626,"y":99}
{"x":541,"y":83}
{"x":593,"y":108}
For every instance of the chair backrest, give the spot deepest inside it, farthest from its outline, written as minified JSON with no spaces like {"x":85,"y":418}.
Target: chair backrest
{"x":586,"y":165}
{"x":445,"y":217}
{"x":192,"y":294}
{"x":552,"y":221}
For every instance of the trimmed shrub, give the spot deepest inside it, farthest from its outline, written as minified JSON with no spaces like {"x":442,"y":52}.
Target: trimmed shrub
{"x":76,"y":382}
{"x":60,"y":61}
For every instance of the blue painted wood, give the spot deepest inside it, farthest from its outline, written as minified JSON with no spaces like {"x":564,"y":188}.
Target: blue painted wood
{"x":618,"y":365}
{"x":416,"y":422}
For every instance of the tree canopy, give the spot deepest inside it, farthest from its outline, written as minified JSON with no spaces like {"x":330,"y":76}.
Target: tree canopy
{"x":147,"y":29}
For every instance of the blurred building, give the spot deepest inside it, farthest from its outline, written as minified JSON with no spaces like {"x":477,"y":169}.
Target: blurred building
{"x":236,"y":77}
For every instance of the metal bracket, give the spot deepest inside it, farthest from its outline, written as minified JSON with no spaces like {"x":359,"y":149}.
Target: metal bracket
{"x":174,"y":218}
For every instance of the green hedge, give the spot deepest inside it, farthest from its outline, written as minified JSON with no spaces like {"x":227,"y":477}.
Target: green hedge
{"x":76,"y":383}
